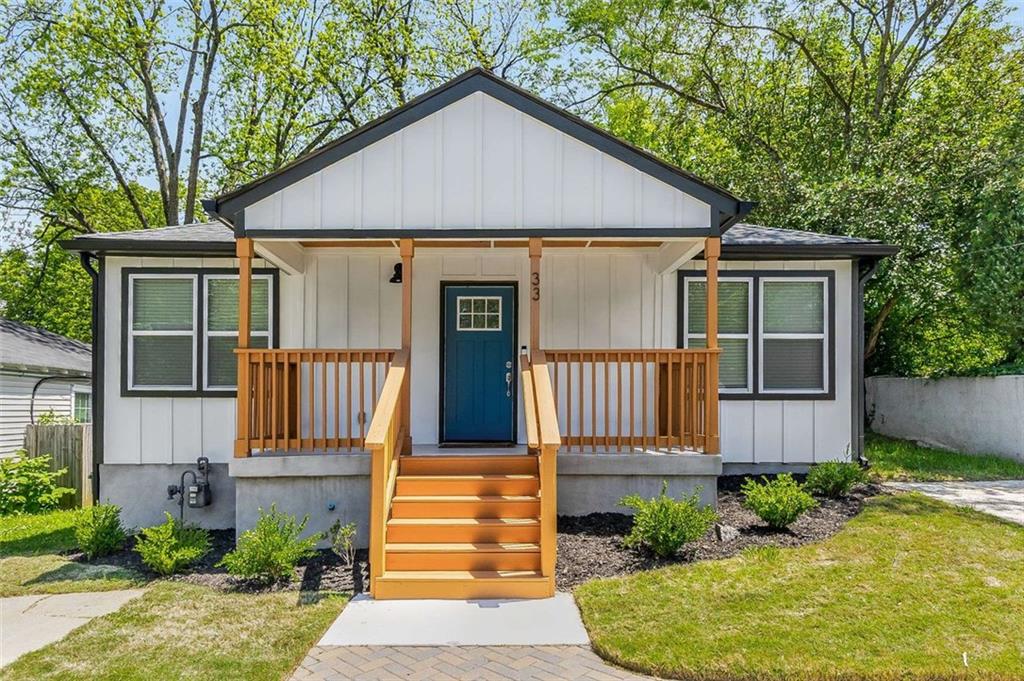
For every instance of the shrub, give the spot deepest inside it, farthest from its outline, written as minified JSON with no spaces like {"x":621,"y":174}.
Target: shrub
{"x":172,"y":546}
{"x":98,"y":530}
{"x":778,"y":502}
{"x":27,"y":485}
{"x":833,"y":479}
{"x":342,"y":538}
{"x":270,"y":550}
{"x":664,"y":524}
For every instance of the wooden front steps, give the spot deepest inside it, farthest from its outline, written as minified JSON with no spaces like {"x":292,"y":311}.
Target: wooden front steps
{"x":464,"y":527}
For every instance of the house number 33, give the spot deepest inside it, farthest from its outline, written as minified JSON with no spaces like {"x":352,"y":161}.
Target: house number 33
{"x":535,"y":286}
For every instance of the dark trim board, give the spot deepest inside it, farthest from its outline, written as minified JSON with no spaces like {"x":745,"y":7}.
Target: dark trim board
{"x":797,"y":251}
{"x":471,"y":233}
{"x":198,"y":391}
{"x":135,"y":248}
{"x":515,"y":369}
{"x":755,"y":393}
{"x":729,"y":207}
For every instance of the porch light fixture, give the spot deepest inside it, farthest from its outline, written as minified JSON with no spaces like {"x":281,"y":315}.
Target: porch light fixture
{"x":396,"y":278}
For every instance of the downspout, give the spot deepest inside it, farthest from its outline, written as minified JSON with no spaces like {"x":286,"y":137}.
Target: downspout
{"x":35,"y":389}
{"x":97,"y":371}
{"x":861,"y":394}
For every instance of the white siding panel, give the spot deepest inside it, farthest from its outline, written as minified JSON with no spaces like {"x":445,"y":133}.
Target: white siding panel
{"x":617,"y":189}
{"x":339,"y":204}
{"x":798,"y":431}
{"x":17,"y":407}
{"x":498,"y":163}
{"x":768,"y":428}
{"x":458,"y":163}
{"x":156,"y":425}
{"x":379,"y":190}
{"x":219,"y":417}
{"x":540,"y":145}
{"x":300,"y":202}
{"x":187,"y":421}
{"x":657,"y":204}
{"x":578,"y":183}
{"x":265,"y":213}
{"x":736,"y":425}
{"x":596,"y":298}
{"x":418,"y":175}
{"x":363,"y":301}
{"x":560,"y":291}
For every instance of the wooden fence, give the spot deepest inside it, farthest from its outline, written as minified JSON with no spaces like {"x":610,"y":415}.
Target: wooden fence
{"x":69,"y":446}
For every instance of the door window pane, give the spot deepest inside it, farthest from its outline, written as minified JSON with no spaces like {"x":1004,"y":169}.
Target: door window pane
{"x":478,"y":313}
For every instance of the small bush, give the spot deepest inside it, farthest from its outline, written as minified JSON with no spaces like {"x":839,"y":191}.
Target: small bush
{"x":342,"y":538}
{"x":270,"y":551}
{"x":664,"y":524}
{"x":27,"y":485}
{"x":778,"y":502}
{"x":833,"y":479}
{"x":98,"y":530}
{"x":172,"y":546}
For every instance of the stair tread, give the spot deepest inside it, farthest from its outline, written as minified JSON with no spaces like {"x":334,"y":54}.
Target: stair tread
{"x":482,"y":547}
{"x":489,"y":476}
{"x":489,"y":522}
{"x":474,"y":575}
{"x":463,"y":497}
{"x":471,"y":457}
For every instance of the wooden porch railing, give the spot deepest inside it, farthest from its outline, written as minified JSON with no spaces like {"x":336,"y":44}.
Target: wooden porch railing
{"x":384,"y":440}
{"x":542,"y":437}
{"x":308,"y":400}
{"x":616,"y":399}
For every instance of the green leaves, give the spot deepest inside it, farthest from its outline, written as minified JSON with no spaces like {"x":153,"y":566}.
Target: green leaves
{"x":171,"y":547}
{"x":664,"y":525}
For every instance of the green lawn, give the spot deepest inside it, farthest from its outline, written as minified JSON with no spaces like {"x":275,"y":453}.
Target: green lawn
{"x":893,"y":459}
{"x":30,"y":562}
{"x":183,"y":631}
{"x":906,"y":590}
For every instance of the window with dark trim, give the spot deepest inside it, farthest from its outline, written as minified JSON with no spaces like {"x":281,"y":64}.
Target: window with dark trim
{"x":776,"y":331}
{"x":180,"y":329}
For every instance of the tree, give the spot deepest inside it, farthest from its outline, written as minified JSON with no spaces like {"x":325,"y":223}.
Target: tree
{"x":892,"y":119}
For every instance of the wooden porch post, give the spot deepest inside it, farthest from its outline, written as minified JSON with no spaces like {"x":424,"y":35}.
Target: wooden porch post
{"x":406,"y":250}
{"x":536,"y":246}
{"x":244,"y":251}
{"x":712,"y":251}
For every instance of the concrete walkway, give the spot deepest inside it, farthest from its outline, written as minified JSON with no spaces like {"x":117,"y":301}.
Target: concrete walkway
{"x":28,"y":623}
{"x":446,"y":639}
{"x":1001,"y":498}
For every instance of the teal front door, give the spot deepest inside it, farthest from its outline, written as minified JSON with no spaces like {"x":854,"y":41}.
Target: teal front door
{"x":478,"y":397}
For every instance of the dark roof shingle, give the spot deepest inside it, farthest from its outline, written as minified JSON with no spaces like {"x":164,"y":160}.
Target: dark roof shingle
{"x":28,"y":347}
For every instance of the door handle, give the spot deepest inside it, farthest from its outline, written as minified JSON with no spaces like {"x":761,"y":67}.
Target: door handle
{"x":508,"y":384}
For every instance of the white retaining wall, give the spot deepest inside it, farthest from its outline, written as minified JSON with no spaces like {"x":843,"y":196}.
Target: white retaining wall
{"x":983,"y":415}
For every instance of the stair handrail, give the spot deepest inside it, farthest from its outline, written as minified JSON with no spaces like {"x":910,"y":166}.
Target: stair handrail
{"x":529,"y":402}
{"x":384,"y":442}
{"x":549,"y":440}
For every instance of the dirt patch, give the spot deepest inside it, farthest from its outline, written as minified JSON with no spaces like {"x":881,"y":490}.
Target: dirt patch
{"x":591,"y":546}
{"x":324,"y":572}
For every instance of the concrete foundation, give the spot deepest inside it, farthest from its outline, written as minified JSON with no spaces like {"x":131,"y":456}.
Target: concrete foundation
{"x":328,"y":488}
{"x":141,"y":492}
{"x":593,"y":483}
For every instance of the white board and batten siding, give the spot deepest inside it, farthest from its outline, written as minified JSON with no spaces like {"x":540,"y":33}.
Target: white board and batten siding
{"x":16,"y":408}
{"x":590,"y":299}
{"x":478,"y":163}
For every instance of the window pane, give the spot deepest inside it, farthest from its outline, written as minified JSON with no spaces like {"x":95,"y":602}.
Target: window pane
{"x":732,"y":361}
{"x":83,"y":407}
{"x":162,"y":304}
{"x":221,"y":365}
{"x":793,"y":307}
{"x":697,"y":307}
{"x":733,"y":306}
{"x":793,"y":364}
{"x":222,"y":305}
{"x":162,"y":361}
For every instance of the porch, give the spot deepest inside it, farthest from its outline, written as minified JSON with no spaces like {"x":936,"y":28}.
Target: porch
{"x":478,"y":522}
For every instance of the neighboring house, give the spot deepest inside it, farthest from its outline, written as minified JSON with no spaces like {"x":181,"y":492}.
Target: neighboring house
{"x":481,"y":269}
{"x":42,"y":374}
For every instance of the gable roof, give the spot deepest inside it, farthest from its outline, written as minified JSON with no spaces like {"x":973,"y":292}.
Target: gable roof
{"x":228,"y":207}
{"x":217,"y":238}
{"x":24,"y":347}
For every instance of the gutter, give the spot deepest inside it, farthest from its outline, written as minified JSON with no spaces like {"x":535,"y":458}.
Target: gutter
{"x":97,"y":368}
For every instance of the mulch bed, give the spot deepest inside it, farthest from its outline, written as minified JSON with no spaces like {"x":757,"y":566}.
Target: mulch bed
{"x":323,"y":572}
{"x":591,"y":546}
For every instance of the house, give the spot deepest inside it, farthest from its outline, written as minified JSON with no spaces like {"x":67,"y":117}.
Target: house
{"x":470,"y":314}
{"x":42,"y":375}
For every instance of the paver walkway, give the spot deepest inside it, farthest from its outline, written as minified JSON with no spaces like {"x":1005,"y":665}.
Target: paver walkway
{"x":464,"y":663}
{"x":28,"y":623}
{"x":1001,"y":498}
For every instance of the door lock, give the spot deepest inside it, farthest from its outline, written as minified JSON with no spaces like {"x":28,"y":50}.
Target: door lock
{"x":508,"y":384}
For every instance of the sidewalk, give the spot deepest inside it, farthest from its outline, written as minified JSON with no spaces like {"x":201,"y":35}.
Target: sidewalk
{"x":1001,"y":498}
{"x":31,"y":622}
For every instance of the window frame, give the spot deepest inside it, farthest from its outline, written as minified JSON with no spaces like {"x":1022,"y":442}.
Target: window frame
{"x":473,"y":314}
{"x":207,"y":333}
{"x":756,"y":393}
{"x":132,"y":334}
{"x":822,"y":336}
{"x":198,"y":275}
{"x":77,"y":390}
{"x":748,"y":336}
